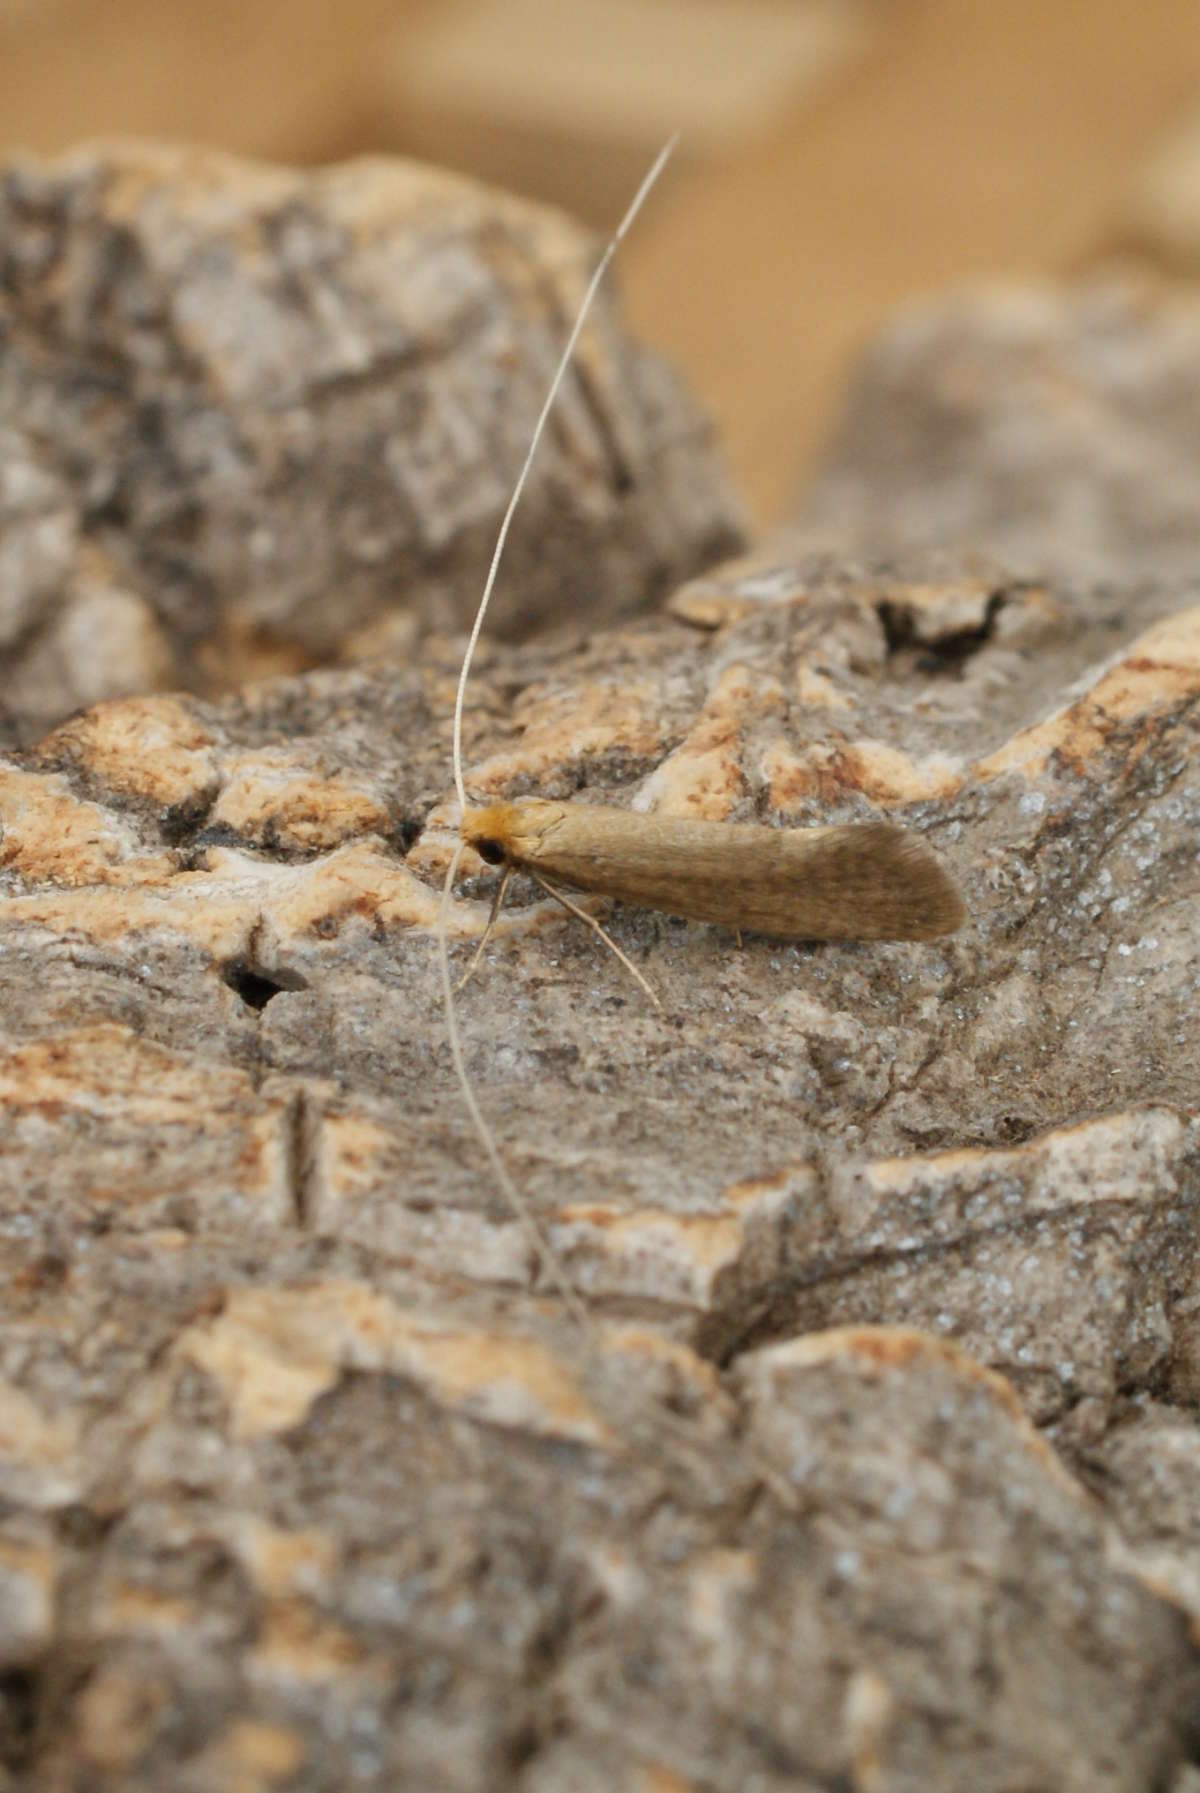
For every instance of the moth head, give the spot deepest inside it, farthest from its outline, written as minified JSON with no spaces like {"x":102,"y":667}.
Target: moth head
{"x":489,"y":831}
{"x":510,"y":833}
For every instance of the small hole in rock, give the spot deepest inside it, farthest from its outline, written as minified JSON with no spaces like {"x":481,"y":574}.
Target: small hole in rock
{"x":256,"y":988}
{"x":948,"y":652}
{"x":20,"y":1699}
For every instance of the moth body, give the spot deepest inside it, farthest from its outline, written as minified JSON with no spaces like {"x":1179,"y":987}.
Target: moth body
{"x":861,"y":881}
{"x":866,"y":882}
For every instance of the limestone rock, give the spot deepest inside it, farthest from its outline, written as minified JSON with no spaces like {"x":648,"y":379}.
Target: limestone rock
{"x":1161,"y":210}
{"x":308,"y":1479}
{"x":1055,"y":427}
{"x":252,"y":420}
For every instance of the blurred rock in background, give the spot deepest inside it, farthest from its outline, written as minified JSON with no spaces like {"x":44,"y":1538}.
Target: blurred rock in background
{"x":1162,"y":214}
{"x":1053,"y":426}
{"x":839,"y":156}
{"x":253,"y":420}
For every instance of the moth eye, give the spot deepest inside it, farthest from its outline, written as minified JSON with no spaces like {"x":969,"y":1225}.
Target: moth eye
{"x":489,"y":850}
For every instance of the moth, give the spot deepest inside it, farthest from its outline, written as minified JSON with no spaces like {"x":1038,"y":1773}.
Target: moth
{"x":860,"y":881}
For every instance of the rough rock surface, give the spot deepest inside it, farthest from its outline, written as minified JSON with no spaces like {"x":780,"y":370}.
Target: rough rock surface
{"x":875,"y":1471}
{"x":253,"y":419}
{"x":1056,"y":427}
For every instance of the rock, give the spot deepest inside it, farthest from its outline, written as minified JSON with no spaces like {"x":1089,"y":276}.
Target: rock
{"x":333,"y":1488}
{"x":1161,"y":211}
{"x":252,"y":420}
{"x":1054,"y":427}
{"x":1145,"y":1468}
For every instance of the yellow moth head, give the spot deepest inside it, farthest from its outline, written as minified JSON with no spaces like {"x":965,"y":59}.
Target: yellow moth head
{"x":502,"y":833}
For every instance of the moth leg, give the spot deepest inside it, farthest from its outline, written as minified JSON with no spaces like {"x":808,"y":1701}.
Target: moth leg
{"x":497,"y":900}
{"x":592,"y":923}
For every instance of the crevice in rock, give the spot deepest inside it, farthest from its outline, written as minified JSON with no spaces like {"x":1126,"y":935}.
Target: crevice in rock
{"x":945,"y":653}
{"x":258,"y":988}
{"x":767,"y":1313}
{"x":404,"y":833}
{"x":302,"y":1125}
{"x":21,"y":1699}
{"x":182,"y":822}
{"x":255,"y":983}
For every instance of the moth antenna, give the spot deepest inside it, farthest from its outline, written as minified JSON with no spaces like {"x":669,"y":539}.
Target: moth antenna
{"x":497,"y":904}
{"x":610,"y":943}
{"x":638,"y":201}
{"x":516,"y":1200}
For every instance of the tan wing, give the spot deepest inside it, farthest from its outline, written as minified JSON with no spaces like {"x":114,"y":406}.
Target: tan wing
{"x":864,"y":881}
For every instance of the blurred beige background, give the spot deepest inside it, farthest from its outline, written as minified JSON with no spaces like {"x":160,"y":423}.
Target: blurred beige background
{"x":839,"y":156}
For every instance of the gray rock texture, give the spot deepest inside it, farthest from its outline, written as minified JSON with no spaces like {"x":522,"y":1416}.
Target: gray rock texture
{"x":252,"y":420}
{"x":872,"y":1469}
{"x":1055,"y":427}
